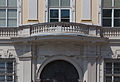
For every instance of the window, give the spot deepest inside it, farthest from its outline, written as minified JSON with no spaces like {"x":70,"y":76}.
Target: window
{"x":112,"y":71}
{"x":111,"y":13}
{"x":8,"y":13}
{"x":59,"y":10}
{"x":7,"y":72}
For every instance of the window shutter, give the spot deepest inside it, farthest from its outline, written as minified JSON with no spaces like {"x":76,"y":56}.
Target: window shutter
{"x":32,"y":9}
{"x":86,"y":9}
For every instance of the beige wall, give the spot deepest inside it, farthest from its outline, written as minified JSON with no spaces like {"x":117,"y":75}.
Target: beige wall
{"x":94,"y":13}
{"x":41,"y":12}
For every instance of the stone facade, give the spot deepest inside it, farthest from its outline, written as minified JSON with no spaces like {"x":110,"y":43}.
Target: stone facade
{"x":76,"y":51}
{"x":86,"y":53}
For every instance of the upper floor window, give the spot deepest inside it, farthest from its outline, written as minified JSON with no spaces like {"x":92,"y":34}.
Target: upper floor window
{"x":59,"y":10}
{"x":8,"y":13}
{"x":111,"y":13}
{"x":112,"y":71}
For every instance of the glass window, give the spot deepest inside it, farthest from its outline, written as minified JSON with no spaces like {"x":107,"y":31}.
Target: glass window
{"x":112,"y":71}
{"x":117,"y":13}
{"x":54,"y":3}
{"x":116,"y":22}
{"x":106,"y":22}
{"x":9,"y":78}
{"x":12,"y":13}
{"x":65,"y":3}
{"x":2,"y":67}
{"x":117,"y":79}
{"x":2,"y":78}
{"x":2,"y":17}
{"x":108,"y":68}
{"x":107,"y":12}
{"x":2,"y":2}
{"x":108,"y":78}
{"x":111,"y":13}
{"x":117,"y":3}
{"x":107,"y":3}
{"x":12,"y":17}
{"x":54,"y":15}
{"x":65,"y":15}
{"x":59,"y":10}
{"x":7,"y":72}
{"x":12,"y":3}
{"x":12,"y":22}
{"x":9,"y":67}
{"x":117,"y":67}
{"x":8,"y":14}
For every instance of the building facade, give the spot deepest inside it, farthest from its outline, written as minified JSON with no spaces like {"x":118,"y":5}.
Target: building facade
{"x":59,"y":40}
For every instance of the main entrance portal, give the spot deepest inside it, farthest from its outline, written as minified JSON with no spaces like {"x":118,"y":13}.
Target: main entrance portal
{"x":59,"y":71}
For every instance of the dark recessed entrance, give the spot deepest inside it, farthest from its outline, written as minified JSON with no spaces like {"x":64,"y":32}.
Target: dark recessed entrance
{"x":59,"y":71}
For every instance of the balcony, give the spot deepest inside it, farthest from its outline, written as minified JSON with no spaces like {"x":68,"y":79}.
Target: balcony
{"x":42,"y":29}
{"x":59,"y":28}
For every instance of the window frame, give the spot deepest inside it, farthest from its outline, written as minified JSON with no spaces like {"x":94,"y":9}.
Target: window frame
{"x":59,"y":13}
{"x":108,"y":60}
{"x":112,"y":14}
{"x":60,"y":8}
{"x":6,"y":8}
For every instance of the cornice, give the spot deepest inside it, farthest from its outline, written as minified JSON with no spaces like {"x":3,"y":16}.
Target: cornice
{"x":77,"y":38}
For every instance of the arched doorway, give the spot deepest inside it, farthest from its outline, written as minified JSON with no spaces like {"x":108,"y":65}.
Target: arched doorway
{"x":60,"y":71}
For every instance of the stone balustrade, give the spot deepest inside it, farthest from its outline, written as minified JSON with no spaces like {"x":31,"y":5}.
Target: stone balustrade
{"x":56,"y":28}
{"x":111,"y":32}
{"x":65,"y":28}
{"x":9,"y":32}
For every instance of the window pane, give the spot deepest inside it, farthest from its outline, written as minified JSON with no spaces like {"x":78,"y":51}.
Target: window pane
{"x":12,"y":13}
{"x":106,"y":22}
{"x":108,"y":68}
{"x":117,"y":3}
{"x":9,"y":78}
{"x":65,"y":20}
{"x":54,"y":3}
{"x":117,"y":12}
{"x":116,"y":78}
{"x":2,"y":13}
{"x":116,"y":22}
{"x":65,"y":14}
{"x":2,"y":78}
{"x":54,"y":13}
{"x":107,"y":3}
{"x":12,"y":3}
{"x":2,"y":22}
{"x":9,"y":67}
{"x":2,"y":2}
{"x":65,"y":2}
{"x":2,"y":67}
{"x":12,"y":22}
{"x":117,"y":68}
{"x":107,"y":12}
{"x":108,"y":78}
{"x":53,"y":20}
{"x":2,"y":17}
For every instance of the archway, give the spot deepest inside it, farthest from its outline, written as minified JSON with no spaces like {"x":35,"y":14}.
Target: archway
{"x":60,"y":71}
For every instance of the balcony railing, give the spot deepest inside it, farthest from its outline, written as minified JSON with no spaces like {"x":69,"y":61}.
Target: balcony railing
{"x":111,"y":32}
{"x":59,"y":28}
{"x":9,"y":32}
{"x":67,"y":28}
